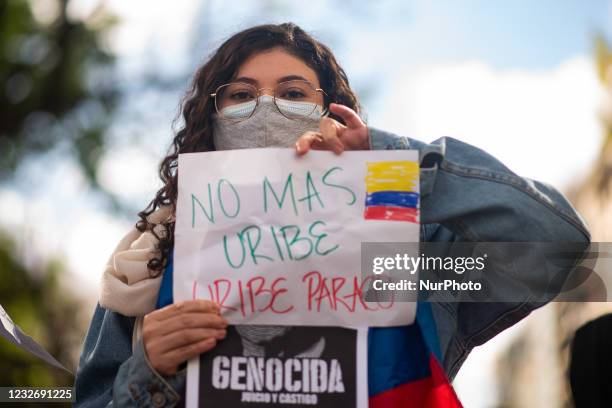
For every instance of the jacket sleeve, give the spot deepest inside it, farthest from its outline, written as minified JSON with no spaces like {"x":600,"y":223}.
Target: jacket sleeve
{"x":110,"y":375}
{"x":468,"y":195}
{"x":464,"y":188}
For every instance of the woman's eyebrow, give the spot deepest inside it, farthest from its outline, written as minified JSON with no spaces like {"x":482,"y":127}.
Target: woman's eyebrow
{"x":291,"y":78}
{"x":286,"y":78}
{"x":246,"y":80}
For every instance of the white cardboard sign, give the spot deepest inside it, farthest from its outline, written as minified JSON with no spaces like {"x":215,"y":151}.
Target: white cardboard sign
{"x":276,"y":239}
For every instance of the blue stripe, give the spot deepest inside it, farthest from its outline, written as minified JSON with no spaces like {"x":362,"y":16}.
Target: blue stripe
{"x":393,"y":198}
{"x":396,"y":355}
{"x":427,"y":323}
{"x":165,"y":296}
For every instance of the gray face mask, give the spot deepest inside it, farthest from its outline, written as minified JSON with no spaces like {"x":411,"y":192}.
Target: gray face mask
{"x":267,"y":127}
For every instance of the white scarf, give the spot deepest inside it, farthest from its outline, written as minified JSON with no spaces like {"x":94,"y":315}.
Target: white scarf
{"x":127,"y":286}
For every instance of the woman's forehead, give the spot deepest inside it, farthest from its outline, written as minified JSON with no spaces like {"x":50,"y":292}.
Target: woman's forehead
{"x":269,"y":67}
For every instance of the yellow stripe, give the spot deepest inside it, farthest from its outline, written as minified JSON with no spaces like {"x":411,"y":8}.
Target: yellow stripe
{"x":391,"y":176}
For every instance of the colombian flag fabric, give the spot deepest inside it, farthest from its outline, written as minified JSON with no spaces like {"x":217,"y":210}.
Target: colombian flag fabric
{"x":404,"y":366}
{"x":390,"y":191}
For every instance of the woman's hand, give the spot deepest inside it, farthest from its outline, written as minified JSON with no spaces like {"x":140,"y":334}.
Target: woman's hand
{"x":180,"y":331}
{"x":335,"y":136}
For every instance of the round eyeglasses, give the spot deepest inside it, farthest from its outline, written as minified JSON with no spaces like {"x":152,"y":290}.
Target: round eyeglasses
{"x":294,"y":99}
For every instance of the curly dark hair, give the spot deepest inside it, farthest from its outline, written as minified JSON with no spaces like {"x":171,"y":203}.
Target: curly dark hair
{"x":197,"y":108}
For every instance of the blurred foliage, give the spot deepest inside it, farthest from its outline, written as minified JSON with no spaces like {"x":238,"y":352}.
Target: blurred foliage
{"x":57,"y":91}
{"x":56,"y":83}
{"x":600,"y":178}
{"x":37,"y":303}
{"x":603,"y":59}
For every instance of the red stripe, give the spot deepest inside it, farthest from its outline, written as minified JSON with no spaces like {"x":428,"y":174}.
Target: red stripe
{"x":410,"y":395}
{"x":385,"y":212}
{"x":430,"y":392}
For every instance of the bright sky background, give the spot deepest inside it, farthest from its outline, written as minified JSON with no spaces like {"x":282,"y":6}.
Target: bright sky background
{"x":514,"y":78}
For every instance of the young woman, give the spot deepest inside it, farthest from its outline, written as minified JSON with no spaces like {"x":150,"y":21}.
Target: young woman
{"x":274,"y":85}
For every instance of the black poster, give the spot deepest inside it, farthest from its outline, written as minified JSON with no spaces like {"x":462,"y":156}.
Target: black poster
{"x":280,"y":366}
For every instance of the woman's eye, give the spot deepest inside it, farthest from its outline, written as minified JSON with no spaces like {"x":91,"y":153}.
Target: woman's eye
{"x":241,"y":95}
{"x":293,"y":94}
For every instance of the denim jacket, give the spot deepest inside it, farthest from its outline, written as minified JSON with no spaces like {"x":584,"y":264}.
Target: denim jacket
{"x":466,"y":195}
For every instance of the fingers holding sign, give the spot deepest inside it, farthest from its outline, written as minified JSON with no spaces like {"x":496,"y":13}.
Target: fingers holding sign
{"x":335,"y":136}
{"x":181,"y":331}
{"x":310,"y":140}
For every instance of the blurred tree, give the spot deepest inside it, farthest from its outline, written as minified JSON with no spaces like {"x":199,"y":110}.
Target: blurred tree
{"x":57,"y":90}
{"x":44,"y":309}
{"x":592,"y":198}
{"x":56,"y":83}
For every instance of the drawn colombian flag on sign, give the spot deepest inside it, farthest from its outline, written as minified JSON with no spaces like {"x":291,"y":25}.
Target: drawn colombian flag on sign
{"x":390,"y":191}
